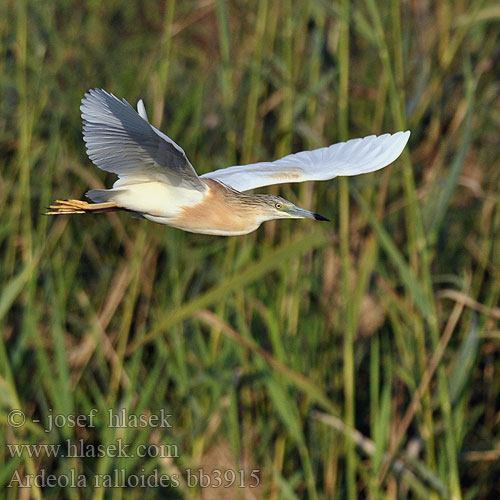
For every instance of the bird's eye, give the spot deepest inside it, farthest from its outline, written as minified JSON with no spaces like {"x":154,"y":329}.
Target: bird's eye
{"x":279,"y":206}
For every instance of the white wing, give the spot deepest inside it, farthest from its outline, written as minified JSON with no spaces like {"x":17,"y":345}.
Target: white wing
{"x":357,"y":156}
{"x":122,"y":141}
{"x":141,"y":109}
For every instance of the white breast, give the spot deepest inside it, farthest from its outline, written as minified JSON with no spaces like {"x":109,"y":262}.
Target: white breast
{"x":155,"y":198}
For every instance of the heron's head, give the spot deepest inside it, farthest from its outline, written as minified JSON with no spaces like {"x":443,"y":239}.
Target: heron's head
{"x":276,"y":207}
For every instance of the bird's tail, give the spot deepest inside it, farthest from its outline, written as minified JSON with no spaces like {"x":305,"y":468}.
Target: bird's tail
{"x":64,"y":207}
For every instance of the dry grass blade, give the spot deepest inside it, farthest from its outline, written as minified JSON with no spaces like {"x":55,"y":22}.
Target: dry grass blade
{"x":422,"y":387}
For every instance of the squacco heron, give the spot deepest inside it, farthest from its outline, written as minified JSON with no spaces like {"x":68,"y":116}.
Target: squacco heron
{"x":157,"y":182}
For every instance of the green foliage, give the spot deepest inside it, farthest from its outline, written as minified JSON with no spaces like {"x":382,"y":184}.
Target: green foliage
{"x":356,"y":360}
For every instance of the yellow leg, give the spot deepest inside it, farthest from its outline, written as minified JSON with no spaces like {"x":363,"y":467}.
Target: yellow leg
{"x":80,"y":207}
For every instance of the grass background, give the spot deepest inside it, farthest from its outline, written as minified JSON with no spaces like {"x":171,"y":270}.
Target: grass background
{"x":353,"y":360}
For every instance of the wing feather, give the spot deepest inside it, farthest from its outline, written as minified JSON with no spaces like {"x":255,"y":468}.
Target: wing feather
{"x":357,"y":156}
{"x":121,"y":141}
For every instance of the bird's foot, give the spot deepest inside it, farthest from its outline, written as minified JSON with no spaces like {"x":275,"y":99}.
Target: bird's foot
{"x":63,"y":207}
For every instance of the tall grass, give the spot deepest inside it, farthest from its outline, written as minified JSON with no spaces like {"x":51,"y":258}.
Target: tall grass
{"x":352,"y":360}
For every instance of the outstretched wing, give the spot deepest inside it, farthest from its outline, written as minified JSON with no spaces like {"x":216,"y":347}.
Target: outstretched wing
{"x":357,"y":156}
{"x":121,"y":141}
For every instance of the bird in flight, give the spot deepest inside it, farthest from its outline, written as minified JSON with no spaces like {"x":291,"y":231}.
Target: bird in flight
{"x":156,"y":181}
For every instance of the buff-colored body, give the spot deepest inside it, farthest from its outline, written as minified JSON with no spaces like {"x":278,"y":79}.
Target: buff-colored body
{"x":222,"y":212}
{"x":219,"y":210}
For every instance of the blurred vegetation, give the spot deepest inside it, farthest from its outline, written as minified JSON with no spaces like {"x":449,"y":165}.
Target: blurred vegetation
{"x":356,"y":360}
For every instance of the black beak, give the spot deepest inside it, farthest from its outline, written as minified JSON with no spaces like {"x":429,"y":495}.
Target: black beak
{"x":320,"y":217}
